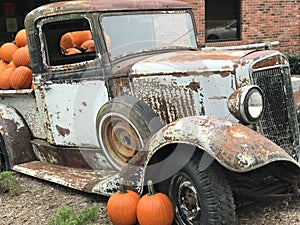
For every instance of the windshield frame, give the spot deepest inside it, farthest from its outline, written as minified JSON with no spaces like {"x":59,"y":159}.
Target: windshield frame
{"x":191,"y":32}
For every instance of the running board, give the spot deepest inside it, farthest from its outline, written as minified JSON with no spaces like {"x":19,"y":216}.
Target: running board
{"x":86,"y":180}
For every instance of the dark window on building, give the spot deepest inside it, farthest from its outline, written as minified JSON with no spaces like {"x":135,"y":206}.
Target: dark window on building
{"x":12,"y":15}
{"x":222,"y":20}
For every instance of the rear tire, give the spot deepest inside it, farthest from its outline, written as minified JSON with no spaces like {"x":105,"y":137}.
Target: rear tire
{"x":4,"y":164}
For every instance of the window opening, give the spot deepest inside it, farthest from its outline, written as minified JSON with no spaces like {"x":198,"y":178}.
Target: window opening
{"x":222,"y":20}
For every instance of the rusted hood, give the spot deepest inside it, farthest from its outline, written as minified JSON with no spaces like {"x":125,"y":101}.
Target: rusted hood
{"x":188,"y":62}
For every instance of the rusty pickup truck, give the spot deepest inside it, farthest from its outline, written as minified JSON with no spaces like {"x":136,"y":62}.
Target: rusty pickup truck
{"x":214,"y":129}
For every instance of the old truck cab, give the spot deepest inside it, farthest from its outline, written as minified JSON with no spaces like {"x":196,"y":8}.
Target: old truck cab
{"x":143,"y":101}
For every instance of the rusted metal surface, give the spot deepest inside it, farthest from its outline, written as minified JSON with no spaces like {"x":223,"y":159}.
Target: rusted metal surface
{"x":267,"y":45}
{"x":179,"y":96}
{"x":79,"y":179}
{"x":187,"y":62}
{"x":231,"y":144}
{"x":24,"y":102}
{"x":88,"y":158}
{"x":16,"y":136}
{"x":233,"y":103}
{"x":68,"y":109}
{"x":59,"y":8}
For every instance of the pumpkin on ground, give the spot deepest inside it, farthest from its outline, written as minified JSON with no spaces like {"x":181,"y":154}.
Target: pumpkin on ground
{"x":7,"y":50}
{"x":20,"y":38}
{"x":155,"y":208}
{"x":21,"y":78}
{"x":81,"y":36}
{"x":122,"y":205}
{"x":88,"y":46}
{"x":21,"y":57}
{"x":67,"y":41}
{"x":5,"y":77}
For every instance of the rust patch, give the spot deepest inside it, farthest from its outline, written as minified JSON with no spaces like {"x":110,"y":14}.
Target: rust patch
{"x":297,"y":99}
{"x":271,"y":61}
{"x":62,"y":131}
{"x":80,"y":179}
{"x":195,"y":86}
{"x":224,"y":73}
{"x":228,"y":142}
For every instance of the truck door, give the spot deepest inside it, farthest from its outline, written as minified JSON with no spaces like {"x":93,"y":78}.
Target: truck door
{"x":72,"y":88}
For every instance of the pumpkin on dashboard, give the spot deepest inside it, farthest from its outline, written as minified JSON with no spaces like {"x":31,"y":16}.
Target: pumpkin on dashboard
{"x":81,"y":36}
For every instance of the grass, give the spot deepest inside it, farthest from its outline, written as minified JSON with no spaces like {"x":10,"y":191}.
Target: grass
{"x":9,"y":183}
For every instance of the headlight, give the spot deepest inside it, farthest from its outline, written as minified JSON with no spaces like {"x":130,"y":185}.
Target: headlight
{"x":246,"y":104}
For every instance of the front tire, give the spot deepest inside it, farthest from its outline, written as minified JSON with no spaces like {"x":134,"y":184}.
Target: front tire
{"x":201,"y":197}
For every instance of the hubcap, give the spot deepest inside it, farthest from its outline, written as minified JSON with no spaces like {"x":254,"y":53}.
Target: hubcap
{"x":183,"y":191}
{"x":121,"y":139}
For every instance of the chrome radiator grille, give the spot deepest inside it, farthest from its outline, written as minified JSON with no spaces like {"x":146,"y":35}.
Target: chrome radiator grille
{"x":279,"y":121}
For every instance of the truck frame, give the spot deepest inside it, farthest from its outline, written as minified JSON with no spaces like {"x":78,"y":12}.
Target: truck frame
{"x":214,"y":129}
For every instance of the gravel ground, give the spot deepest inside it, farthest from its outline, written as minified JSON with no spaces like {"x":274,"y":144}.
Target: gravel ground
{"x":39,"y":200}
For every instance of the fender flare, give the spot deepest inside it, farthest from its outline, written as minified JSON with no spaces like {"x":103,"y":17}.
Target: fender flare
{"x":16,"y":136}
{"x":236,"y":147}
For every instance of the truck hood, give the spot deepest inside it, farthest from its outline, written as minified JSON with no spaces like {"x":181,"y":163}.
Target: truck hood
{"x":186,"y":62}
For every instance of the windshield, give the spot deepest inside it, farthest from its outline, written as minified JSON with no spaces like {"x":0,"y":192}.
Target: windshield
{"x":129,"y":33}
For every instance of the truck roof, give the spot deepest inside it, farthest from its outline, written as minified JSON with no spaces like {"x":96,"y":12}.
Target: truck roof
{"x":67,"y":7}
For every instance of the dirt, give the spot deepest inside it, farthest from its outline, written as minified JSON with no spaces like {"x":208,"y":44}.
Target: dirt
{"x":39,"y":200}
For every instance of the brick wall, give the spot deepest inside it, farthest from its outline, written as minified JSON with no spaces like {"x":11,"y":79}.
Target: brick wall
{"x":262,"y":20}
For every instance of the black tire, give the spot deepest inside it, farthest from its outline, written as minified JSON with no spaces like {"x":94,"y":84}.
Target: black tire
{"x":124,"y":125}
{"x":200,"y":197}
{"x":4,"y":164}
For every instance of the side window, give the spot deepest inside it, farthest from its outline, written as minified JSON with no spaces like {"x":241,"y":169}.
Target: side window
{"x":222,"y":20}
{"x":68,"y":42}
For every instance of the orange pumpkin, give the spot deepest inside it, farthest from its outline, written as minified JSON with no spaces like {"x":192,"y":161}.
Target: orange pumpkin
{"x":3,"y":65}
{"x":67,"y":41}
{"x":88,"y":46}
{"x":81,"y":36}
{"x":121,"y":206}
{"x":20,"y":38}
{"x":155,"y":208}
{"x":5,"y":77}
{"x":7,"y":50}
{"x":21,"y":57}
{"x":71,"y":51}
{"x":11,"y":65}
{"x":21,"y":78}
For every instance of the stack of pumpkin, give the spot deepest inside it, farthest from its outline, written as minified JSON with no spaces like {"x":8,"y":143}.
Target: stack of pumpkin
{"x":15,"y":71}
{"x":77,"y":42}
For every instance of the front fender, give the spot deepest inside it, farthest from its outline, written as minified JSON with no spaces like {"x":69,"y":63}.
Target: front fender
{"x":236,"y":147}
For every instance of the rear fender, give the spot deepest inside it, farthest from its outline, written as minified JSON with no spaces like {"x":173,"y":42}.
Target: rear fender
{"x":236,"y":147}
{"x":16,"y":136}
